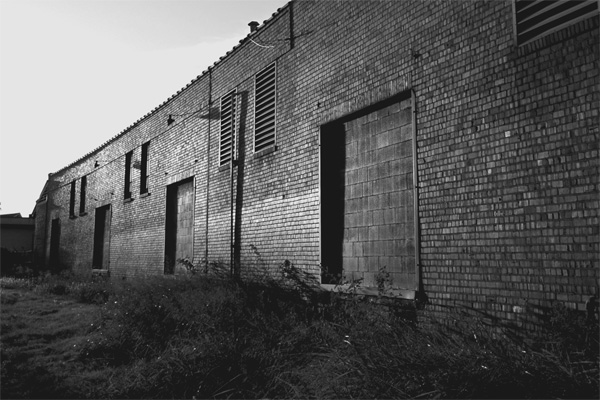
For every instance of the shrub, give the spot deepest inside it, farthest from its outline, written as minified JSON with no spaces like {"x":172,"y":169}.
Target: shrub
{"x":92,"y":292}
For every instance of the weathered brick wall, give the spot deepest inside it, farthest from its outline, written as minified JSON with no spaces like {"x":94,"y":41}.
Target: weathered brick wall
{"x":508,"y":165}
{"x":507,"y":151}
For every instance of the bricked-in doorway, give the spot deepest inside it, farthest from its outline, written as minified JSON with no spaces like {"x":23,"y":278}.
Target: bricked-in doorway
{"x":367,"y":197}
{"x":101,"y":238}
{"x":179,"y":227}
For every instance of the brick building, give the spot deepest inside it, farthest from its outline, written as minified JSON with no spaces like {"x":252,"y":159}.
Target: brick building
{"x":450,"y":144}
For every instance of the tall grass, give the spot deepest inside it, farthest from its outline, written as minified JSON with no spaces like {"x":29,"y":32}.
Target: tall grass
{"x":209,"y":338}
{"x":202,"y":337}
{"x":93,"y":290}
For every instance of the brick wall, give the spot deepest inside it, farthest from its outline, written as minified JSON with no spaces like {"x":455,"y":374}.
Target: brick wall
{"x":506,"y":153}
{"x":509,"y":169}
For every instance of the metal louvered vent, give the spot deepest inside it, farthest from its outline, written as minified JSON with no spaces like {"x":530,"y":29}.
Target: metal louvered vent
{"x":227,"y":141}
{"x":537,"y":18}
{"x":264,"y":111}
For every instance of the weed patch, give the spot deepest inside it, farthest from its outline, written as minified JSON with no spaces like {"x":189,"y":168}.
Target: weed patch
{"x":198,"y":336}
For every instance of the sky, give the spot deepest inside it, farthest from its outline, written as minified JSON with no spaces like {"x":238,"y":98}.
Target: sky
{"x":75,"y":73}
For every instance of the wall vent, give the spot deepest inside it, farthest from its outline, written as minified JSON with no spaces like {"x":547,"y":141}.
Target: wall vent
{"x":264,"y":111}
{"x":537,"y":18}
{"x":227,"y":141}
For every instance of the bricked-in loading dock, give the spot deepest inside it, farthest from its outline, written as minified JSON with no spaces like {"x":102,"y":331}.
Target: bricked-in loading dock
{"x":368,"y":196}
{"x":179,"y":232}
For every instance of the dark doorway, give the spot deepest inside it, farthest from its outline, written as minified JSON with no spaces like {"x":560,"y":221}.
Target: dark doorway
{"x":179,"y":224}
{"x":333,"y":166}
{"x":101,"y":238}
{"x":54,"y":259}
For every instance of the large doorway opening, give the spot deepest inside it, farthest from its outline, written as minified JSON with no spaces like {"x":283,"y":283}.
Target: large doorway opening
{"x":101,"y":238}
{"x":333,"y":167}
{"x":179,"y":224}
{"x":368,"y":197}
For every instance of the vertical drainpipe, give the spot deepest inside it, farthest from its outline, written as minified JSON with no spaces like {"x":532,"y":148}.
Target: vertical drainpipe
{"x":210,"y":103}
{"x":232,"y":162}
{"x":291,"y":14}
{"x":416,"y":193}
{"x":320,"y":205}
{"x":231,"y":203}
{"x":46,"y":258}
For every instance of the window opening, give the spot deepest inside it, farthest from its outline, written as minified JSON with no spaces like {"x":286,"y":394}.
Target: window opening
{"x":144,"y":169}
{"x":264,"y":111}
{"x":227,"y":141}
{"x":537,"y":18}
{"x":127,"y":189}
{"x":82,"y":195}
{"x":72,"y":201}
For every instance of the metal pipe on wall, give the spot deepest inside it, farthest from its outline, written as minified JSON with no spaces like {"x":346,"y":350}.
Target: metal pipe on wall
{"x":210,"y":103}
{"x":231,"y":244}
{"x":416,"y":193}
{"x":232,"y":163}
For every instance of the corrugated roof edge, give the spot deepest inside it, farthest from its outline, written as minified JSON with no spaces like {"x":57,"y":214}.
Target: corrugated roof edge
{"x":164,"y":103}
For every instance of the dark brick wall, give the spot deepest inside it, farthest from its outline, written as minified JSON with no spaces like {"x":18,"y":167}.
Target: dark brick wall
{"x":509,"y":169}
{"x":507,"y":152}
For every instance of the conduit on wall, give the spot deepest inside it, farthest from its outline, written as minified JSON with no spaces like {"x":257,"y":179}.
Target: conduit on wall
{"x":210,"y":103}
{"x":231,"y":162}
{"x":416,"y":193}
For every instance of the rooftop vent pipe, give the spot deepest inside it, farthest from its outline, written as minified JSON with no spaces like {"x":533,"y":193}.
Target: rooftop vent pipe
{"x":253,"y":26}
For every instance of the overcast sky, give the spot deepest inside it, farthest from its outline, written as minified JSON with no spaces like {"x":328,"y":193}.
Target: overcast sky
{"x":75,"y":73}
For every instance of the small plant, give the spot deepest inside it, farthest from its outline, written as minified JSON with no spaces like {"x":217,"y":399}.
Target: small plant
{"x":329,"y":277}
{"x":91,"y":292}
{"x":218,"y":269}
{"x":384,"y":281}
{"x":188,"y":265}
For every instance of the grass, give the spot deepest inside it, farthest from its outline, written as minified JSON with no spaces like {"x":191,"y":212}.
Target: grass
{"x":209,"y":338}
{"x":41,"y":337}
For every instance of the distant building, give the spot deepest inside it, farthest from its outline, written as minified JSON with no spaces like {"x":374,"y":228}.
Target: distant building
{"x":448,"y":148}
{"x":16,"y":232}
